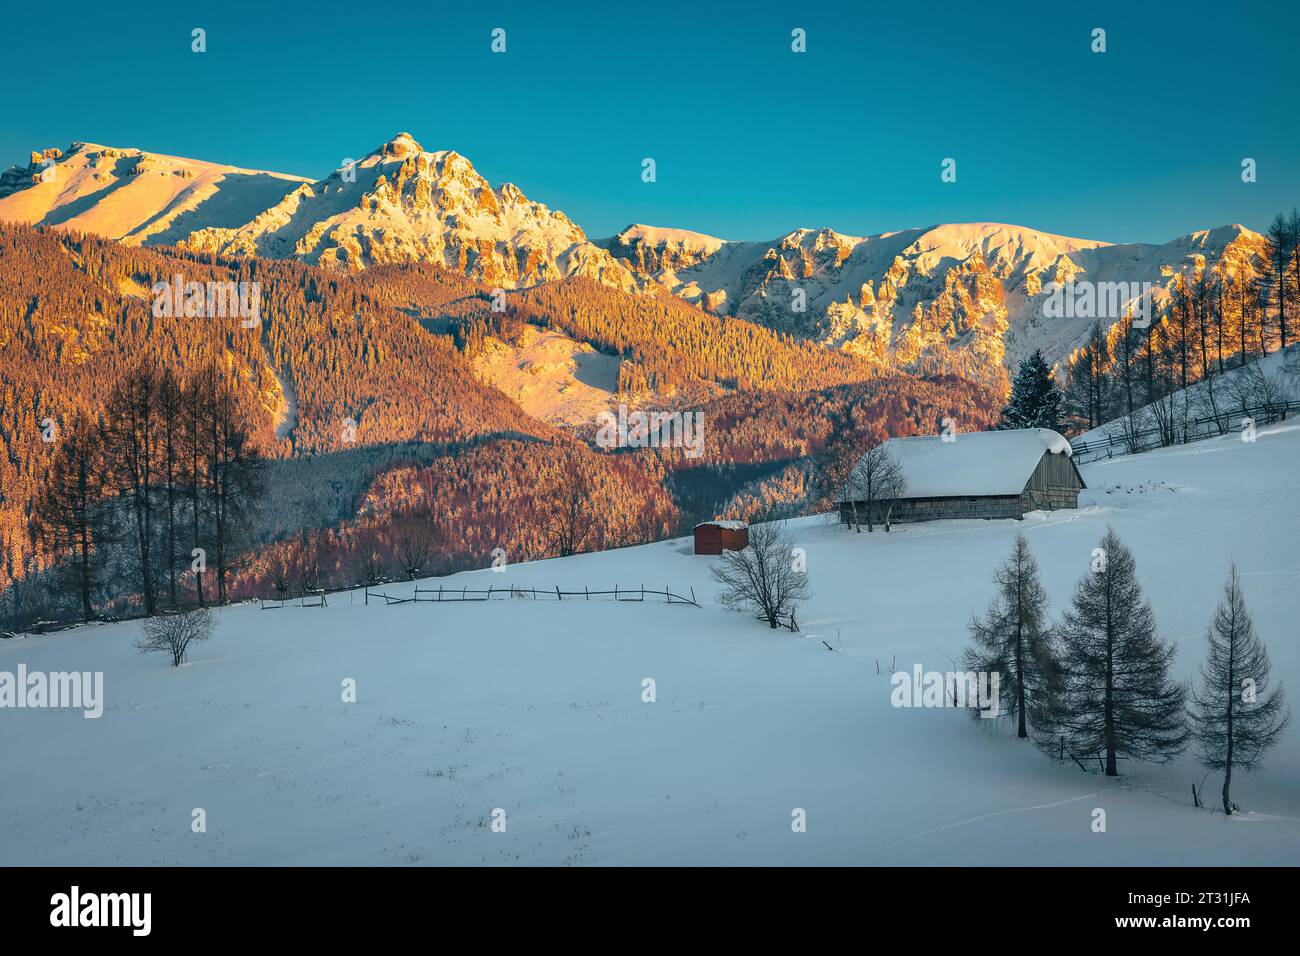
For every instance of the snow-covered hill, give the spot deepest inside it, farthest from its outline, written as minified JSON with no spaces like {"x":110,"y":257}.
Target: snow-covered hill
{"x":135,"y":196}
{"x":972,"y":286}
{"x":536,"y":708}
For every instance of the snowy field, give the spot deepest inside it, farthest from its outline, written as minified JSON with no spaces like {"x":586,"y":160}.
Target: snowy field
{"x":536,"y":708}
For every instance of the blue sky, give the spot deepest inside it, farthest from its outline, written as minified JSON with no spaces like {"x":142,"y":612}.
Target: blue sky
{"x":1141,"y":143}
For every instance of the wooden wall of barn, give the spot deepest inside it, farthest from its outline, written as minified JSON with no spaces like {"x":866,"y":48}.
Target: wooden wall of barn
{"x":1054,"y":484}
{"x":934,"y":509}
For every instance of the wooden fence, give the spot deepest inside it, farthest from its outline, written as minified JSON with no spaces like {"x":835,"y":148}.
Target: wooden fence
{"x":443,"y":594}
{"x":1196,"y":429}
{"x":446,"y":595}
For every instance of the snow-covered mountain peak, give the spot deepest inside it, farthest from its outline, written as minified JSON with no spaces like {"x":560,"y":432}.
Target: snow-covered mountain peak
{"x":913,"y":295}
{"x":403,"y":144}
{"x":403,"y":203}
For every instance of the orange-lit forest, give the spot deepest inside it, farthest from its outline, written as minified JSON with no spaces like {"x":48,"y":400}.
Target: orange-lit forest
{"x":152,"y":461}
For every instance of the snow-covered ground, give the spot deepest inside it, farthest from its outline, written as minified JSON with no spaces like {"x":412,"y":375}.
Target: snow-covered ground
{"x":536,"y":708}
{"x":553,"y":377}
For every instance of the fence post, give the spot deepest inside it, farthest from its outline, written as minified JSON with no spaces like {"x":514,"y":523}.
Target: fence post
{"x":586,"y":592}
{"x":693,"y":601}
{"x":557,"y":593}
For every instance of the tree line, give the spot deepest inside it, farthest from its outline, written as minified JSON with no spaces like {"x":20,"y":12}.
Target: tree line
{"x":168,"y":471}
{"x":1215,"y":318}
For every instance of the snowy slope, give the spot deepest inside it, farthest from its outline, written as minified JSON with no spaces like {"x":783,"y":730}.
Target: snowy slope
{"x":1273,"y":379}
{"x":535,"y":708}
{"x":136,"y":196}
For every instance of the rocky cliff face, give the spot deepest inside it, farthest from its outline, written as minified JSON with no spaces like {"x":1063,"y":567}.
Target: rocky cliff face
{"x":403,"y":204}
{"x":976,"y":289}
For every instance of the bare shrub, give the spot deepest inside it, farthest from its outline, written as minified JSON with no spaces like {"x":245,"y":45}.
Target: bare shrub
{"x":172,"y":634}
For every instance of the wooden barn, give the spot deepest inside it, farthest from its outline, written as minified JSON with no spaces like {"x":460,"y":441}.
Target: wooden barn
{"x":1001,"y":474}
{"x":714,"y":537}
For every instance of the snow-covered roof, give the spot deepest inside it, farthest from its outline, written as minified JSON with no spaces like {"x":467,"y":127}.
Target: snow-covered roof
{"x":973,"y":463}
{"x":726,"y":525}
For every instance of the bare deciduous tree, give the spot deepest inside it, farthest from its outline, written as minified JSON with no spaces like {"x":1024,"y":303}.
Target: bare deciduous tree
{"x":568,"y":508}
{"x":413,"y":543}
{"x":873,"y":486}
{"x":371,"y":568}
{"x":172,"y":634}
{"x":281,"y":578}
{"x":764,"y":577}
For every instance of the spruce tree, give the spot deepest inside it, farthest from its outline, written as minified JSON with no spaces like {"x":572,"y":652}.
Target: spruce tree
{"x":1118,"y":698}
{"x":1035,"y":398}
{"x":1013,"y":640}
{"x":1235,"y":718}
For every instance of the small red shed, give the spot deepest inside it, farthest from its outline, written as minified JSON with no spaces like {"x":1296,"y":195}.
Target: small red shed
{"x":714,"y":537}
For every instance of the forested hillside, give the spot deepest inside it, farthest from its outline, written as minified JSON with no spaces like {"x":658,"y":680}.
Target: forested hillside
{"x":377,"y":444}
{"x":76,"y":314}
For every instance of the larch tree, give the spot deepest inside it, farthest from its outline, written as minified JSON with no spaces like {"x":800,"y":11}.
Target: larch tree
{"x":1117,"y":696}
{"x":170,"y":415}
{"x":131,"y":427}
{"x":1013,"y":639}
{"x":236,"y":475}
{"x":1236,"y":717}
{"x":72,"y":516}
{"x":1283,"y":243}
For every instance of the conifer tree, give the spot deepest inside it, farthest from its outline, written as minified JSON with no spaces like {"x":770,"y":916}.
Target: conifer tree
{"x":71,"y":516}
{"x":131,"y":444}
{"x":1035,"y":398}
{"x":1118,"y":698}
{"x":1013,"y":639}
{"x":1235,"y":717}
